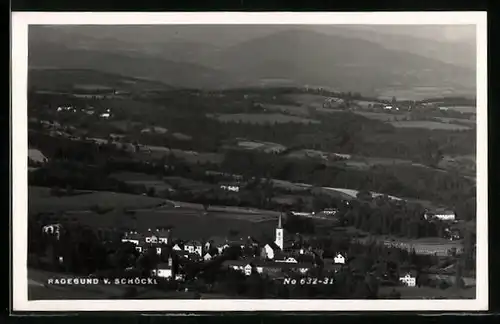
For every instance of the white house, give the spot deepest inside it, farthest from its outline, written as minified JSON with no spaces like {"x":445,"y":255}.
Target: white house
{"x":207,"y":257}
{"x":330,"y":211}
{"x":288,"y":260}
{"x":247,"y":270}
{"x":131,"y":240}
{"x":232,"y":188}
{"x":408,"y":280}
{"x":269,"y":250}
{"x":54,"y":229}
{"x":221,"y":248}
{"x":193,"y":247}
{"x":339,"y":259}
{"x":444,"y":215}
{"x":164,"y":270}
{"x":151,"y":239}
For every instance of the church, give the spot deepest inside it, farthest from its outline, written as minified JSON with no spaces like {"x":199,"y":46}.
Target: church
{"x":270,"y":250}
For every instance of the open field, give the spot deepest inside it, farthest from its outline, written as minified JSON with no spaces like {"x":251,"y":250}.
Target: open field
{"x":365,"y":163}
{"x":438,"y":246}
{"x":182,"y":137}
{"x":262,"y":118}
{"x":456,"y":120}
{"x":189,"y":156}
{"x":416,"y":93}
{"x":187,"y":183}
{"x":308,"y":100}
{"x":465,"y":109}
{"x":261,"y":146}
{"x":429,"y":125}
{"x":353,"y":193}
{"x":40,"y":200}
{"x":287,"y":109}
{"x":431,"y":293}
{"x":381,"y":116}
{"x":291,"y":185}
{"x":365,"y":103}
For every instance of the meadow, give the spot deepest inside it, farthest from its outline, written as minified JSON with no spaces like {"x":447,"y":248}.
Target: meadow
{"x":261,"y":146}
{"x":288,"y":109}
{"x":41,"y":200}
{"x":308,"y":100}
{"x":263,"y":118}
{"x":464,"y":109}
{"x":429,"y":125}
{"x":381,"y":116}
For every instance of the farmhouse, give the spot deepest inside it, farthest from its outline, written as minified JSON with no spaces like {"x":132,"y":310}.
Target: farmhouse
{"x":132,"y":237}
{"x":230,"y":187}
{"x":194,"y":247}
{"x":164,"y":270}
{"x":409,"y":279}
{"x":339,"y":259}
{"x":444,"y":215}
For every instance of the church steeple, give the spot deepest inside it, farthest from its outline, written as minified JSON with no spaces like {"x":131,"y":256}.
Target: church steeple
{"x":279,"y":234}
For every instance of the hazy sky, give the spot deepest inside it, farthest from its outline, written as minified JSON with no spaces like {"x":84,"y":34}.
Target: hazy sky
{"x":223,"y":34}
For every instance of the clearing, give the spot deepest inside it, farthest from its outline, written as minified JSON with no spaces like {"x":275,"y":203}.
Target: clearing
{"x":262,"y":118}
{"x":40,"y":200}
{"x":429,"y":125}
{"x":287,"y":109}
{"x":388,"y":117}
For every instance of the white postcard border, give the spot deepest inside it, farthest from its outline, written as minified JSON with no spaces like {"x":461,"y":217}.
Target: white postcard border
{"x":20,"y":22}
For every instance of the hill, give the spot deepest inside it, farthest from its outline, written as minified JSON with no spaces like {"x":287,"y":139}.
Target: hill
{"x":307,"y":57}
{"x":296,"y":57}
{"x":88,"y":80}
{"x":137,"y":65}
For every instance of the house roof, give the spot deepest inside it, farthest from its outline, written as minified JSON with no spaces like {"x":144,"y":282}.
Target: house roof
{"x":273,"y":246}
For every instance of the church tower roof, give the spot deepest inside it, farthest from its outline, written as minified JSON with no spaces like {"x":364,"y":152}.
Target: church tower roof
{"x":279,"y":222}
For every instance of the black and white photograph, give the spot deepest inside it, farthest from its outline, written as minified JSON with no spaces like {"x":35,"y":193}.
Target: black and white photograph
{"x":237,"y":161}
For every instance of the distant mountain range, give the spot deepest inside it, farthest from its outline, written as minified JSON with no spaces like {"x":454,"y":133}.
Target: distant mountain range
{"x":342,"y":59}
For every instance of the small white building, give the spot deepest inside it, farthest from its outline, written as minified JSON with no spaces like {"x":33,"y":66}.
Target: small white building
{"x":194,"y":247}
{"x":247,"y":270}
{"x":269,"y":250}
{"x":339,"y":259}
{"x":164,"y":270}
{"x":207,"y":257}
{"x":176,"y":247}
{"x":408,"y":280}
{"x":288,"y":260}
{"x":130,"y":240}
{"x":444,"y":215}
{"x":232,"y":188}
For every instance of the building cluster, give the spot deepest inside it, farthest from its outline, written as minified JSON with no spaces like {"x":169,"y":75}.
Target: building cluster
{"x":272,"y":258}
